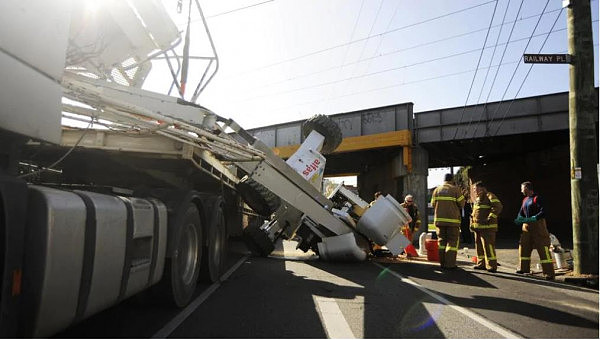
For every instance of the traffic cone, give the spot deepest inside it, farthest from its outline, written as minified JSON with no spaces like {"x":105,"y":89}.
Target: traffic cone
{"x":411,"y":251}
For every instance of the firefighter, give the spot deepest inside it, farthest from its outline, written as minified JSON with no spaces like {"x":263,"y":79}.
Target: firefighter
{"x":413,"y":211}
{"x":484,"y":222}
{"x":375,"y":197}
{"x":534,"y":233}
{"x":447,"y":202}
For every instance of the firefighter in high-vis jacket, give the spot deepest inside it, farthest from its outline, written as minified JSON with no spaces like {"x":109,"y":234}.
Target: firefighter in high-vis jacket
{"x":484,"y":222}
{"x":534,"y":233}
{"x":447,"y":201}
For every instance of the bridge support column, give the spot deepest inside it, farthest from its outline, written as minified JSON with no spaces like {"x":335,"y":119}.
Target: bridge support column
{"x":413,"y":180}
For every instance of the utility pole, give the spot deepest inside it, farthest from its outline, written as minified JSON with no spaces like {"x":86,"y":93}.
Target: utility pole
{"x":583,"y":107}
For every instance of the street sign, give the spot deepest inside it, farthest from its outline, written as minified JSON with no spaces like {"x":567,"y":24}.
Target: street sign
{"x":546,"y":58}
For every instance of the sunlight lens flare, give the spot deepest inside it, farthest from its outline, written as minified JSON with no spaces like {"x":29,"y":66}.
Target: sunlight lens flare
{"x":420,"y":316}
{"x":383,"y":273}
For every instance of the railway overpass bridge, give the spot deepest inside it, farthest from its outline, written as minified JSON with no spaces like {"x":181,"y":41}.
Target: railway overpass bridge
{"x":505,"y":143}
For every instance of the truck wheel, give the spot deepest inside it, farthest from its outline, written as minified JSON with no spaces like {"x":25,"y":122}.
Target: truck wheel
{"x":215,"y":250}
{"x":326,"y":127}
{"x":182,"y":268}
{"x":259,"y":198}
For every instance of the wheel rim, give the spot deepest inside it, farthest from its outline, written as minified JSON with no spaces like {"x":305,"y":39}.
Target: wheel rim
{"x":188,"y":253}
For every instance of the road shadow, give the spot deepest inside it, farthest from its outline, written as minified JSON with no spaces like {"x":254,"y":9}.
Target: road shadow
{"x":435,"y":273}
{"x":539,"y":280}
{"x":530,"y":310}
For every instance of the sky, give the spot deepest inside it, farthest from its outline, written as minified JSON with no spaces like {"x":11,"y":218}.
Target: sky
{"x":286,"y":60}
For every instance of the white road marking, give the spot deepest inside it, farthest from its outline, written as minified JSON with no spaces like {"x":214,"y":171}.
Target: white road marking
{"x":474,"y":316}
{"x":332,"y":318}
{"x":164,"y":332}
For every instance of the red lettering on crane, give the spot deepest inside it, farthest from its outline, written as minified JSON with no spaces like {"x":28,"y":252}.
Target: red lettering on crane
{"x":311,"y":167}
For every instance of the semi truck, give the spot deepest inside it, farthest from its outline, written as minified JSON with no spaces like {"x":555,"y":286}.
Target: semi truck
{"x":108,"y":189}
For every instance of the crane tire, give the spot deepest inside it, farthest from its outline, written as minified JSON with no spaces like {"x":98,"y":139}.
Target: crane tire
{"x":260,"y":199}
{"x":326,"y":127}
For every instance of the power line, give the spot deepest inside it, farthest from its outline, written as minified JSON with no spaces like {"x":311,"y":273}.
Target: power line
{"x":476,"y":68}
{"x":445,"y":39}
{"x":351,"y":37}
{"x":381,"y":37}
{"x":488,"y":70}
{"x":237,"y":9}
{"x":409,"y":83}
{"x":498,"y":70}
{"x":399,"y":84}
{"x":366,"y":42}
{"x":385,"y":70}
{"x":352,"y":34}
{"x":518,"y":64}
{"x":525,"y":78}
{"x":494,"y":51}
{"x":362,"y":39}
{"x":228,"y":12}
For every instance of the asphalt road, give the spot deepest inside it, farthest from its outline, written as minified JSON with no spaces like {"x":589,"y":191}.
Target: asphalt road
{"x":305,"y":298}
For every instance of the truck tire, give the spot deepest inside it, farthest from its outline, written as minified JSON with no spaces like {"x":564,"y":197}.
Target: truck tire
{"x":213,"y":259}
{"x":183,"y":266}
{"x":326,"y":127}
{"x":259,"y":198}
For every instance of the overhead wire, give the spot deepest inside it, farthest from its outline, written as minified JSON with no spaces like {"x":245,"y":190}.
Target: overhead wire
{"x":526,"y":75}
{"x":351,"y":37}
{"x":421,"y":80}
{"x":223,"y":13}
{"x":498,"y":70}
{"x":359,"y":40}
{"x":494,"y":51}
{"x":368,"y":66}
{"x":404,"y":49}
{"x":476,"y":70}
{"x":379,"y":72}
{"x":345,"y":85}
{"x":518,"y":64}
{"x":410,"y":82}
{"x":397,"y":85}
{"x":237,"y":9}
{"x":381,"y":37}
{"x":490,"y":63}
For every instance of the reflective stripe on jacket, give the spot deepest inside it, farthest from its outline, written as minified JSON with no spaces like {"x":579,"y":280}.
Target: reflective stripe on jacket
{"x":485,"y":212}
{"x":447,"y":201}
